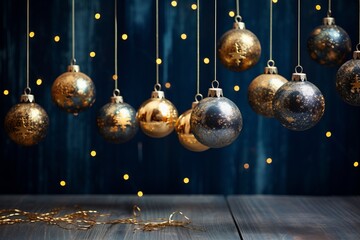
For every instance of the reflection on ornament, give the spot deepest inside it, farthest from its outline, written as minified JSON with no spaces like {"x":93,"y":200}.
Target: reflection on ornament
{"x":26,"y":123}
{"x":185,"y":135}
{"x":216,"y":121}
{"x":262,"y":89}
{"x":73,"y":91}
{"x":117,"y":121}
{"x":329,"y":44}
{"x":347,"y":80}
{"x":157,"y":115}
{"x":298,"y":104}
{"x":239,"y":49}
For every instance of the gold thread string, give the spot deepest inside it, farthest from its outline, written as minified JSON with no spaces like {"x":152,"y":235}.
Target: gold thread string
{"x":215,"y":16}
{"x":198,"y":53}
{"x":271,"y":26}
{"x":157,"y":40}
{"x":298,"y":67}
{"x":27,"y":44}
{"x":359,"y":25}
{"x":73,"y":61}
{"x":329,"y":9}
{"x":116,"y":47}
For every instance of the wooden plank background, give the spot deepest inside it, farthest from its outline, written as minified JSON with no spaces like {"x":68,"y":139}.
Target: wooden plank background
{"x":208,"y":212}
{"x":284,"y":217}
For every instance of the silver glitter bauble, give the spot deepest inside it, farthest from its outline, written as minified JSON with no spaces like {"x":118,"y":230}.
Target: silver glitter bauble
{"x":27,"y":122}
{"x":216,"y":121}
{"x":117,"y":121}
{"x":298,"y":104}
{"x":329,"y":44}
{"x":348,"y":80}
{"x":73,"y":91}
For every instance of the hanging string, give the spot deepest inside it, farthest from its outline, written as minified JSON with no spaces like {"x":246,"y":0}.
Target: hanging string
{"x":198,"y":52}
{"x":329,"y":9}
{"x":73,"y":61}
{"x":215,"y":16}
{"x":27,"y":45}
{"x":298,"y":67}
{"x":271,"y":26}
{"x":116,"y":48}
{"x":157,"y":43}
{"x":357,"y":47}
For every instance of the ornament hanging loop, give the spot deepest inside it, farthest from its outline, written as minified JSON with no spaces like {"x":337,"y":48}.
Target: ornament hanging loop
{"x":116,"y":92}
{"x":215,"y":84}
{"x":328,"y":13}
{"x":358,"y":47}
{"x":238,"y":18}
{"x":298,"y":69}
{"x":73,"y":61}
{"x":271,"y":63}
{"x":27,"y":91}
{"x":157,"y":87}
{"x":198,"y":97}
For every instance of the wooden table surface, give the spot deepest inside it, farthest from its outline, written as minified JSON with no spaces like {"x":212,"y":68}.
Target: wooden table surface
{"x":233,"y":217}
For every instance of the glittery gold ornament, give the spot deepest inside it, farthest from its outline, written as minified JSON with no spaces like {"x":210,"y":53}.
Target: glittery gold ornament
{"x":216,"y":121}
{"x":239,"y":49}
{"x":117,"y":121}
{"x":348,"y":80}
{"x":185,"y":135}
{"x":157,"y":115}
{"x":298,"y":104}
{"x":27,"y":122}
{"x":329,"y":44}
{"x":73,"y":91}
{"x":262,"y":89}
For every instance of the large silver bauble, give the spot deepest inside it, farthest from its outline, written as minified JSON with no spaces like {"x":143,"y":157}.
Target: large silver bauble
{"x":329,"y":44}
{"x":73,"y":91}
{"x":216,"y":121}
{"x":348,"y":80}
{"x":298,"y":104}
{"x":117,"y":121}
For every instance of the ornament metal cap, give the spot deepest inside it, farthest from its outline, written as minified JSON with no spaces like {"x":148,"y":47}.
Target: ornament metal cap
{"x":298,"y":77}
{"x":73,"y":68}
{"x":116,"y":99}
{"x":270,"y":70}
{"x":157,"y":94}
{"x":239,"y":25}
{"x":27,"y":98}
{"x":329,"y":21}
{"x":215,"y":92}
{"x":194,"y":104}
{"x":356,"y":55}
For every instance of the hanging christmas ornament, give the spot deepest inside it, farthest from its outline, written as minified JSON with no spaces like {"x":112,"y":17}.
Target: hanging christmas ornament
{"x":329,"y":44}
{"x":298,"y":104}
{"x":157,"y":115}
{"x":73,"y":91}
{"x":262,"y":89}
{"x":239,"y":49}
{"x":26,"y":123}
{"x":216,"y":121}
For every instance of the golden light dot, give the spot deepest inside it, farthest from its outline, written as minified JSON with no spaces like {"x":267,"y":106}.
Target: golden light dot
{"x":275,"y":1}
{"x":246,"y":166}
{"x":183,"y":36}
{"x":356,"y":164}
{"x":236,"y":88}
{"x":6,"y":92}
{"x":126,"y":176}
{"x":174,"y":3}
{"x":62,"y":183}
{"x":158,"y":61}
{"x":97,"y":16}
{"x":186,"y":180}
{"x":124,"y":36}
{"x":328,"y":134}
{"x":269,"y":160}
{"x":318,"y":7}
{"x":231,"y":14}
{"x":115,"y":77}
{"x":31,"y":34}
{"x":168,"y":85}
{"x":39,"y":81}
{"x":93,"y":153}
{"x":57,"y":38}
{"x":140,"y":193}
{"x":193,"y":6}
{"x":206,"y":60}
{"x":92,"y":54}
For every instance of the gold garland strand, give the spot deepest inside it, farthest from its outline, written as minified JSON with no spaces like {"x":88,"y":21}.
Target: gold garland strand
{"x":86,"y":219}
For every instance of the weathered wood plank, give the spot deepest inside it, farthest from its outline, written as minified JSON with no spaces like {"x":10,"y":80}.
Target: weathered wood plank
{"x":209,"y":212}
{"x":284,"y":217}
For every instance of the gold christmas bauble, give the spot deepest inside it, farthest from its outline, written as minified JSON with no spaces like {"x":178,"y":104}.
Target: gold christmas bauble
{"x":239,"y":49}
{"x":73,"y":91}
{"x":262,"y":89}
{"x":157,"y":115}
{"x":186,"y":137}
{"x":27,"y":122}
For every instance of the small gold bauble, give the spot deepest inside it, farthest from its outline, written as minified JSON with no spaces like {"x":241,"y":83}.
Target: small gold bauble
{"x":27,"y":122}
{"x":157,"y":116}
{"x":239,"y":49}
{"x":262,"y":89}
{"x":73,"y":91}
{"x":186,"y":137}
